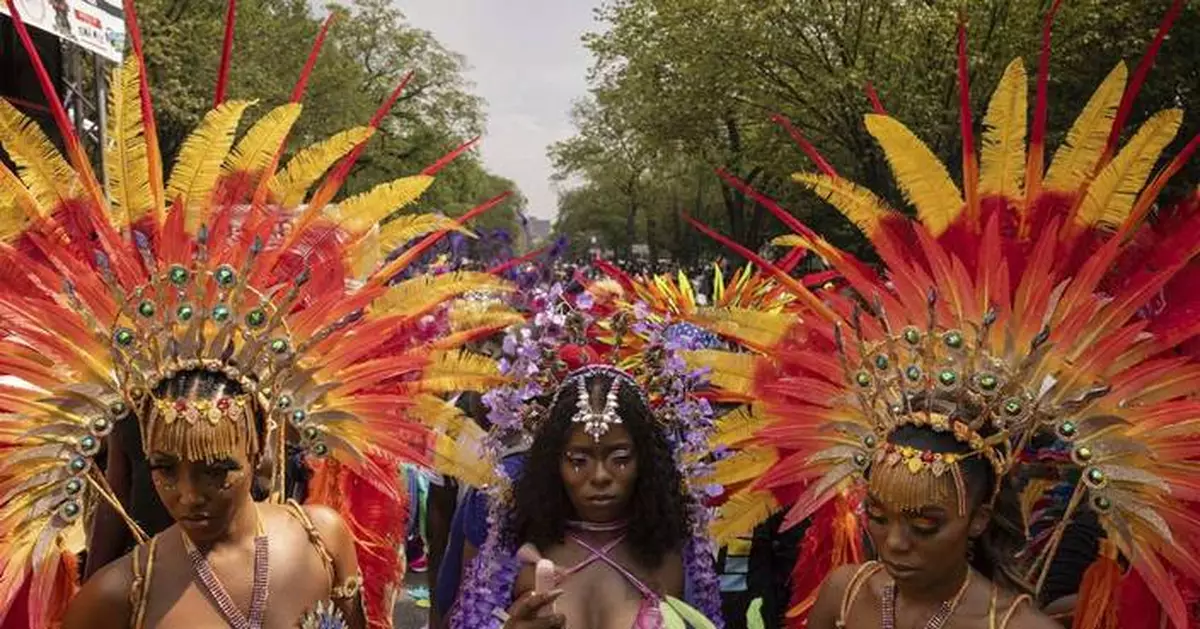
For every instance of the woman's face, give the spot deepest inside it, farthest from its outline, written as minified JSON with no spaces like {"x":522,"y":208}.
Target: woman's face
{"x":600,"y":476}
{"x":202,"y":496}
{"x":920,"y":547}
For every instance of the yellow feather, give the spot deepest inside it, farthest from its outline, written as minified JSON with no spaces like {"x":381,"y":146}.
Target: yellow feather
{"x":418,"y":295}
{"x":464,"y":317}
{"x":402,"y":229}
{"x":1075,"y":160}
{"x":718,"y":284}
{"x":856,"y":203}
{"x":755,"y":327}
{"x":738,"y":426}
{"x":125,"y":162}
{"x":362,"y":212}
{"x":47,"y":175}
{"x":921,"y":177}
{"x":742,"y":466}
{"x":1002,"y":158}
{"x":288,"y":188}
{"x":1111,"y":195}
{"x":262,"y":142}
{"x":17,"y":205}
{"x":791,"y":240}
{"x":741,"y":514}
{"x":452,"y":371}
{"x":729,"y":371}
{"x":199,"y":163}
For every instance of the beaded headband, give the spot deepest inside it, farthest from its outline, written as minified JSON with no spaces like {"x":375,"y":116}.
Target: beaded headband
{"x":202,"y":429}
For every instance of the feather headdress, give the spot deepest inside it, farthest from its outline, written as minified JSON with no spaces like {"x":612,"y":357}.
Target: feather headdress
{"x":232,"y":265}
{"x":998,"y":303}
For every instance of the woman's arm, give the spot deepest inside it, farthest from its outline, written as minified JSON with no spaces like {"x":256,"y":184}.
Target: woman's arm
{"x":347,"y":581}
{"x":110,"y":535}
{"x":104,"y":596}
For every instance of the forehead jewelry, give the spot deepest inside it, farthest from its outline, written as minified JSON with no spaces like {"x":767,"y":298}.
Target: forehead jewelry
{"x":597,"y":423}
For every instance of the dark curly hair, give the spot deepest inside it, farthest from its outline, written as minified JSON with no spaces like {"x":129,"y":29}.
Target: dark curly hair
{"x":659,"y":519}
{"x":997,"y":549}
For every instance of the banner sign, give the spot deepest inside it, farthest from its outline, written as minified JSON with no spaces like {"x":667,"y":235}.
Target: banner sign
{"x":95,"y":25}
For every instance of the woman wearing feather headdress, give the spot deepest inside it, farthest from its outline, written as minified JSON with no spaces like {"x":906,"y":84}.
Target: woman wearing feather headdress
{"x":224,"y":314}
{"x":1013,"y":308}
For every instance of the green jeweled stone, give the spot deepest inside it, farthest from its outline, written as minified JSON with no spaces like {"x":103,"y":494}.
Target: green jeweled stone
{"x":73,"y":486}
{"x":78,"y":464}
{"x":88,"y":444}
{"x":860,"y":459}
{"x":1067,"y":429}
{"x":123,"y":337}
{"x":988,"y":382}
{"x":913,"y":373}
{"x":953,"y":340}
{"x":256,"y":318}
{"x":279,"y":346}
{"x":225,"y":276}
{"x":863,"y":379}
{"x":70,"y":509}
{"x":912,"y":336}
{"x":101,"y":426}
{"x":321,"y":449}
{"x":284,"y":401}
{"x":220,"y":313}
{"x":1102,"y":503}
{"x":178,"y":275}
{"x":146,"y":309}
{"x":881,"y":362}
{"x":947,"y":377}
{"x":1096,"y":476}
{"x":1084,"y":453}
{"x":311,"y":433}
{"x":298,"y":416}
{"x":185,"y":313}
{"x":870,"y":441}
{"x":1013,"y":407}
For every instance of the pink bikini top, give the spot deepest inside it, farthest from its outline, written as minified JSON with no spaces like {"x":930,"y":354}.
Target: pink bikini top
{"x":649,"y":615}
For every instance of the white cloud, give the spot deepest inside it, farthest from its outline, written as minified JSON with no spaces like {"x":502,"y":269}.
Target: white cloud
{"x":527,"y":60}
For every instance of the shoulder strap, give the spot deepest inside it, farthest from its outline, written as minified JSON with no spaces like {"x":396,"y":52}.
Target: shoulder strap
{"x":1012,"y":609}
{"x":314,"y":537}
{"x":860,"y":578}
{"x":140,"y":587}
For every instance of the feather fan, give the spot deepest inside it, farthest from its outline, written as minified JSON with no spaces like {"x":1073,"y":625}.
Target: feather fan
{"x":922,"y":177}
{"x":1110,"y":197}
{"x":39,"y":164}
{"x":288,"y":188}
{"x":1002,"y":159}
{"x":1075,"y":160}
{"x":199,"y":163}
{"x":125,"y":160}
{"x":362,"y":212}
{"x":258,"y":147}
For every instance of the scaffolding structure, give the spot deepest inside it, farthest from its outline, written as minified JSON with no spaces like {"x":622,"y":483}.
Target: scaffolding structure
{"x":85,"y":94}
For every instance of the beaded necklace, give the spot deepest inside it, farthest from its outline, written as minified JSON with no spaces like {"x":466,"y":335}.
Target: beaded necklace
{"x":937,"y":621}
{"x":220,"y":596}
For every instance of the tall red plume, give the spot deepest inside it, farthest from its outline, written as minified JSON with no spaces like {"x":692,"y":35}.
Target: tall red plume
{"x":788,"y":281}
{"x":226,"y":53}
{"x":311,"y":62}
{"x":876,"y":104}
{"x":445,"y":160}
{"x":149,"y":125}
{"x":1037,"y":135}
{"x":500,"y":268}
{"x":79,"y":158}
{"x":1138,"y":79}
{"x":792,"y":222}
{"x":970,"y":168}
{"x":805,"y":145}
{"x":395,"y":266}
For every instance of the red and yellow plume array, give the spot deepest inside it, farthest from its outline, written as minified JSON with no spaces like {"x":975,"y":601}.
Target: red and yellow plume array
{"x":1038,"y":294}
{"x":237,"y":262}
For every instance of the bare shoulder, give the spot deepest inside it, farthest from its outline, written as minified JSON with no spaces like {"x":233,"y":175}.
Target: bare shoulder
{"x":329,"y":523}
{"x":104,"y":595}
{"x":827,"y":608}
{"x":671,"y":574}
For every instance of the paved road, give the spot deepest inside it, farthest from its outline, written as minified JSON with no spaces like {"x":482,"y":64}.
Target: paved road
{"x":407,"y":614}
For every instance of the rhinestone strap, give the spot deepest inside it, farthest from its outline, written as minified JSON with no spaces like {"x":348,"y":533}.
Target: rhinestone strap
{"x":937,"y":621}
{"x":220,"y":596}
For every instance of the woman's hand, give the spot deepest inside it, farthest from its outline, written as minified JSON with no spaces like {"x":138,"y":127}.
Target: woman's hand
{"x":526,"y":612}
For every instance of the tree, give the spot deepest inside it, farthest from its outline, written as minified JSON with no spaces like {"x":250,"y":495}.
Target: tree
{"x":369,"y":49}
{"x":705,"y":76}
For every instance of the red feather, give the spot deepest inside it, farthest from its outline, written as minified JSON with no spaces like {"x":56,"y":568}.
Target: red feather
{"x":226,"y":53}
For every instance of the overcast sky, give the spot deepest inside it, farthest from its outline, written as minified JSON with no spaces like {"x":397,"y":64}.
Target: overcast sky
{"x":527,"y":60}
